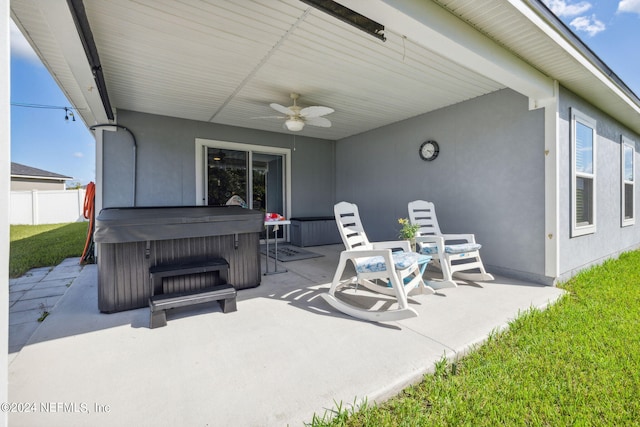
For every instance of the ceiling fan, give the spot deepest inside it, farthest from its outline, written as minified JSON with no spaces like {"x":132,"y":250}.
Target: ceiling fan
{"x":297,"y":117}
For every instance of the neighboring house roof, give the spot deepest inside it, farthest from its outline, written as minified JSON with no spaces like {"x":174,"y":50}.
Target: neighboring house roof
{"x":225,"y":63}
{"x":23,"y":171}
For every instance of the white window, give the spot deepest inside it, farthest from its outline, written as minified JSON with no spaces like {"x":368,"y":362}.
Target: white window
{"x":628,"y":149}
{"x":583,"y":174}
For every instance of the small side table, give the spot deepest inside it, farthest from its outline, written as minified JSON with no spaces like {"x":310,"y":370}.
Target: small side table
{"x":276,"y":225}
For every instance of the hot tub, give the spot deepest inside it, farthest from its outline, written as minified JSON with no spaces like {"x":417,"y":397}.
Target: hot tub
{"x":131,"y":240}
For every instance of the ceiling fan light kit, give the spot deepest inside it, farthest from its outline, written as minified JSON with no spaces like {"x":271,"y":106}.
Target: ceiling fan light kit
{"x":294,"y":124}
{"x":297,"y":118}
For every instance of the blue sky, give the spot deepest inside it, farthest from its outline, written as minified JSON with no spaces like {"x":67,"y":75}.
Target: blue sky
{"x":611,"y":28}
{"x":40,"y":137}
{"x":43,"y":139}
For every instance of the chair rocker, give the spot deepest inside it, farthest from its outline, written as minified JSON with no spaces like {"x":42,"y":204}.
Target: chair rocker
{"x":378,"y":268}
{"x":461,"y":260}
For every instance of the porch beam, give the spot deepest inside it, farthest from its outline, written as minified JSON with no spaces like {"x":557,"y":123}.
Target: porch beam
{"x":551,"y":185}
{"x":436,"y":29}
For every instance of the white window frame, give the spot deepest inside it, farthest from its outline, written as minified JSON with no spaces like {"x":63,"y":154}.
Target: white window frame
{"x":201,"y":146}
{"x":578,"y":117}
{"x":626,"y":142}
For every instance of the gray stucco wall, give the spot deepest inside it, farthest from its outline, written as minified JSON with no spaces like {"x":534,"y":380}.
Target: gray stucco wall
{"x":610,"y":238}
{"x":166,"y":162}
{"x":487,"y":180}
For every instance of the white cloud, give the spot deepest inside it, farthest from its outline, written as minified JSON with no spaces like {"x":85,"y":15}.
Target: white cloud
{"x":590,"y":25}
{"x":20,"y":46}
{"x":78,"y":154}
{"x":629,"y":6}
{"x":561,"y":8}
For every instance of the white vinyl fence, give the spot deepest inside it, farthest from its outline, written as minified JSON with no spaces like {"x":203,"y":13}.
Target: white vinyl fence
{"x":46,"y":207}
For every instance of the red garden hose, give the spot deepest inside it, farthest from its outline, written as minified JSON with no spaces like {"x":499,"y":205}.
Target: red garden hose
{"x":89,"y":213}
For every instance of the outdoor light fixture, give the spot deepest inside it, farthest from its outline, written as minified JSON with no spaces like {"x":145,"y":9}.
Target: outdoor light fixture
{"x":294,"y":124}
{"x":67,"y":113}
{"x":349,"y":16}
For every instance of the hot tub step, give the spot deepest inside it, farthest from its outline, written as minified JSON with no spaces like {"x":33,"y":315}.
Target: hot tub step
{"x":159,"y":302}
{"x":224,"y":294}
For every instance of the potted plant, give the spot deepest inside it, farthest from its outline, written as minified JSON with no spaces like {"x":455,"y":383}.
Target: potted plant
{"x":408,"y":232}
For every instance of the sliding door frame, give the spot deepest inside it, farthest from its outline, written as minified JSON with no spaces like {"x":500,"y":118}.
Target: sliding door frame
{"x":201,"y":163}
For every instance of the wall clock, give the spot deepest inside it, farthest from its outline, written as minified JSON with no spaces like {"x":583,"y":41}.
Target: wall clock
{"x":429,"y":150}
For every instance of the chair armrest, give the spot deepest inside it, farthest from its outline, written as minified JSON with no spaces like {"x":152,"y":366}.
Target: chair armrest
{"x":394,"y":244}
{"x":470,"y":238}
{"x":430,"y":241}
{"x":361,"y":253}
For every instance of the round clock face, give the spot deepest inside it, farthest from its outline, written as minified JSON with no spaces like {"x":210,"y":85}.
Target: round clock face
{"x":429,"y":150}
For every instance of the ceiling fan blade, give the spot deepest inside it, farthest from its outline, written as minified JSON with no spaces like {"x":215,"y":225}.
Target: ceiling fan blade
{"x":282,"y":109}
{"x":315,"y":111}
{"x":270,"y":117}
{"x":318,"y":121}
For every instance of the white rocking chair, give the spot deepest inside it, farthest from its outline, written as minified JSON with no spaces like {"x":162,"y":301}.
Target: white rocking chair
{"x":450,"y":258}
{"x":378,"y":268}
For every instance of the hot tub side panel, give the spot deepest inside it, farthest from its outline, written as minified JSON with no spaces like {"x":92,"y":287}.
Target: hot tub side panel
{"x":123,"y":268}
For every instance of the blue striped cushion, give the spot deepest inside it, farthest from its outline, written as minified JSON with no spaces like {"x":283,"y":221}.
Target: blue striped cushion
{"x":452,"y":249}
{"x":374,"y":264}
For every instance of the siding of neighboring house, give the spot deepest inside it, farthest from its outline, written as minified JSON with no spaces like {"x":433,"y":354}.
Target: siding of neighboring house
{"x":488,"y":178}
{"x":27,"y":178}
{"x":610,"y":237}
{"x":166,"y":162}
{"x":29,"y":184}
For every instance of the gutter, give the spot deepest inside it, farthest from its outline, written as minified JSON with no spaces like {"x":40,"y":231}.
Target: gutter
{"x":545,"y":13}
{"x":50,"y":178}
{"x":76,"y":7}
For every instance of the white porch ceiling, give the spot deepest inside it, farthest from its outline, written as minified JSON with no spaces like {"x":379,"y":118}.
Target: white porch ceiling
{"x":226,"y":61}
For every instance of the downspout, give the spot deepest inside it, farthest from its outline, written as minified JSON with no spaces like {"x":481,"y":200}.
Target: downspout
{"x":79,"y":14}
{"x":135,"y":155}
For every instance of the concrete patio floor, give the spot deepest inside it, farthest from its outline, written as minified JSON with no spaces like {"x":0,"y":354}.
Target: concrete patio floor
{"x":283,"y":356}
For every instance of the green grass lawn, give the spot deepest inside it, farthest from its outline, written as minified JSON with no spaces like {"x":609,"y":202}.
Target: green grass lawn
{"x":47,"y":245}
{"x":576,"y":363}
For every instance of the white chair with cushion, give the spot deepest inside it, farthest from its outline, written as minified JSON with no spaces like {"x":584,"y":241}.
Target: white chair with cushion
{"x":380,"y":267}
{"x":460,"y":260}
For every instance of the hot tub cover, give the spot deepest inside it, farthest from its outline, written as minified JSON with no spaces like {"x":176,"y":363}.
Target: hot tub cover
{"x":118,"y":225}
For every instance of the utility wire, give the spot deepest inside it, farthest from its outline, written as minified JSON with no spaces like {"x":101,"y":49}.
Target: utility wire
{"x":68,"y":111}
{"x":50,"y":107}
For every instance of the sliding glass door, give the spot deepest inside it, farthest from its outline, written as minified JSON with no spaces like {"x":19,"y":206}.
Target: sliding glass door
{"x":251,"y":175}
{"x":268,"y":183}
{"x":226,"y":176}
